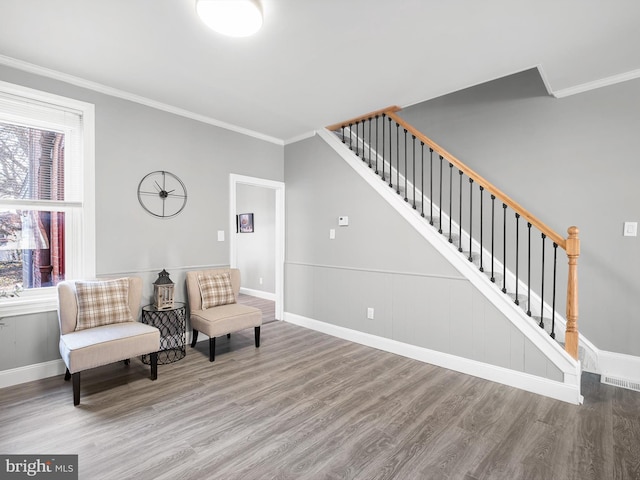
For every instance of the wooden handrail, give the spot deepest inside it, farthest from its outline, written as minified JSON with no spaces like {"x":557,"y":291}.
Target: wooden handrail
{"x":533,"y":220}
{"x":363,"y":117}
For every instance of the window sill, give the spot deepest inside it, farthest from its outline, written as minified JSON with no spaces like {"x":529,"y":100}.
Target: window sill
{"x":28,"y":304}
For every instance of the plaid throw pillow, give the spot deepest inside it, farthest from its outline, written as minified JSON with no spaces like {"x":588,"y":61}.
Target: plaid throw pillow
{"x":215,"y":290}
{"x":102,"y":303}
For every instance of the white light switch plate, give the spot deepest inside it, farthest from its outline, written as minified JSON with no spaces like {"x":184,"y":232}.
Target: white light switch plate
{"x":332,"y":234}
{"x":221,"y":235}
{"x":630,"y":229}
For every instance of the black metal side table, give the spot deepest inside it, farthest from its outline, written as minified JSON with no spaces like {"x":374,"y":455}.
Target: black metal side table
{"x":172,"y":323}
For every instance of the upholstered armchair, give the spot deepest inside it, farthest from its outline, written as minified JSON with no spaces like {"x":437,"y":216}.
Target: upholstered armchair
{"x":213,"y":306}
{"x":98,"y":326}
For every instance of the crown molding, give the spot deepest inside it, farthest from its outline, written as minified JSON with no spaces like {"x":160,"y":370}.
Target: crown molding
{"x":603,"y":82}
{"x":114,"y":92}
{"x":301,"y":137}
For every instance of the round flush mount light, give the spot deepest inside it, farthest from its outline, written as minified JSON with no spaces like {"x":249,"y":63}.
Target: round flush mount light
{"x":235,"y":18}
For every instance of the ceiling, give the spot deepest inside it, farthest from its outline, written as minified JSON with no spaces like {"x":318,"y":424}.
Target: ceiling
{"x":317,"y":62}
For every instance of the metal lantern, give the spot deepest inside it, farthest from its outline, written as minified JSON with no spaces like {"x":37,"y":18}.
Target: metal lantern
{"x":163,"y":289}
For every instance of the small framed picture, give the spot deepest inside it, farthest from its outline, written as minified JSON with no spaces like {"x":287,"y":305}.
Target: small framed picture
{"x":245,"y":223}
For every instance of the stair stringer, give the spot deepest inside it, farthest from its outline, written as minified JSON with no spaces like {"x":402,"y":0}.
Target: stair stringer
{"x":589,"y":354}
{"x":571,"y":369}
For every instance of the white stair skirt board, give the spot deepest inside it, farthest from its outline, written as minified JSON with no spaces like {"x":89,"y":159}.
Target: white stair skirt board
{"x":569,"y":391}
{"x":38,"y":371}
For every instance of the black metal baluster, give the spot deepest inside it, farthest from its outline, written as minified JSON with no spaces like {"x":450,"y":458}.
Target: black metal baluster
{"x":357,"y":139}
{"x":481,"y":226}
{"x":422,"y":176}
{"x":406,"y":172}
{"x":431,"y":185}
{"x":460,"y":214}
{"x":529,"y":269}
{"x":450,"y":200}
{"x":440,"y":204}
{"x":350,"y":136}
{"x":504,"y":248}
{"x":517,"y":302}
{"x":369,"y":121}
{"x":413,"y":144}
{"x":361,"y":140}
{"x":390,"y":155}
{"x":542,"y":288}
{"x":398,"y":158}
{"x":471,"y":219}
{"x":343,"y":134}
{"x":383,"y":142}
{"x":493,"y":224}
{"x":364,"y":144}
{"x":553,"y":302}
{"x":377,"y":116}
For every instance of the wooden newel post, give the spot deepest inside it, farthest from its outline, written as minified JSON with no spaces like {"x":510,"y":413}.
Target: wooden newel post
{"x":571,"y":334}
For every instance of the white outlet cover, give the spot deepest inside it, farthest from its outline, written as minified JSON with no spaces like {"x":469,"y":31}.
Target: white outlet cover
{"x":630,"y":229}
{"x":221,"y":235}
{"x":332,"y":234}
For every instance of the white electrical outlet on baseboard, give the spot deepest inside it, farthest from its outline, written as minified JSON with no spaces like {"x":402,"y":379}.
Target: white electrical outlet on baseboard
{"x":370,"y":313}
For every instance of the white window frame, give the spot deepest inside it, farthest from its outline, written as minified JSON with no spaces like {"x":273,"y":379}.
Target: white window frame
{"x":80,"y":251}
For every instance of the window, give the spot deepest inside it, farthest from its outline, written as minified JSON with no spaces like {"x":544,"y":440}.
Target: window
{"x":46,"y":197}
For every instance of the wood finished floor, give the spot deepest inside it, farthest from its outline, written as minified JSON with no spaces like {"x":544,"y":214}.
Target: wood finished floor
{"x":309,"y":406}
{"x":268,"y":307}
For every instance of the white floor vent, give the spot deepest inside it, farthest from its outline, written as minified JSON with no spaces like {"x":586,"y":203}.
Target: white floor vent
{"x":621,"y":382}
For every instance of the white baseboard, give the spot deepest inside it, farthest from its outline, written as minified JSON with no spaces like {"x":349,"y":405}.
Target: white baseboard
{"x":567,"y":392}
{"x":258,"y":293}
{"x":19,"y":375}
{"x":618,"y":366}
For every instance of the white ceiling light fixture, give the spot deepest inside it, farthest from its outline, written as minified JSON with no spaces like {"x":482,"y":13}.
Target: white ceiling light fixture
{"x":235,"y":18}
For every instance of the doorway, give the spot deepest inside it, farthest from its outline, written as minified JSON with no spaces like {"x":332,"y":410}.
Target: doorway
{"x":236,"y":184}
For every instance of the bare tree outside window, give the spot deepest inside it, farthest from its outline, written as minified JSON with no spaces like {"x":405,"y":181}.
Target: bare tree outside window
{"x":31,"y":241}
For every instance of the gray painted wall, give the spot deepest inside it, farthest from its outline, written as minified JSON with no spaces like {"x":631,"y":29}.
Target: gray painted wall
{"x":570,"y":161}
{"x":379,"y":261}
{"x":256,"y":251}
{"x":131,"y":141}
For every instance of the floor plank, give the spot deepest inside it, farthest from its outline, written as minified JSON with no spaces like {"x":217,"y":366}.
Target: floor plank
{"x":310,"y":406}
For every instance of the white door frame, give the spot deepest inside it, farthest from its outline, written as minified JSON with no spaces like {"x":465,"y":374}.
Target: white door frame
{"x":278,"y":187}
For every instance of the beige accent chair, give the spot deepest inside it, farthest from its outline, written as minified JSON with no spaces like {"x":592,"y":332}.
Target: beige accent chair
{"x":101,"y":345}
{"x":222,"y":319}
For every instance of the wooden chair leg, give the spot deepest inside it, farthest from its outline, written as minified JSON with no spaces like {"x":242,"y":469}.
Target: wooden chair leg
{"x":194,"y":338}
{"x":67,"y":375}
{"x":257,"y":335}
{"x":75,"y":379}
{"x":212,"y":348}
{"x":154,"y":365}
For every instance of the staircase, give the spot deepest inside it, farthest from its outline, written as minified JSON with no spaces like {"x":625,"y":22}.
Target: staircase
{"x":513,"y":251}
